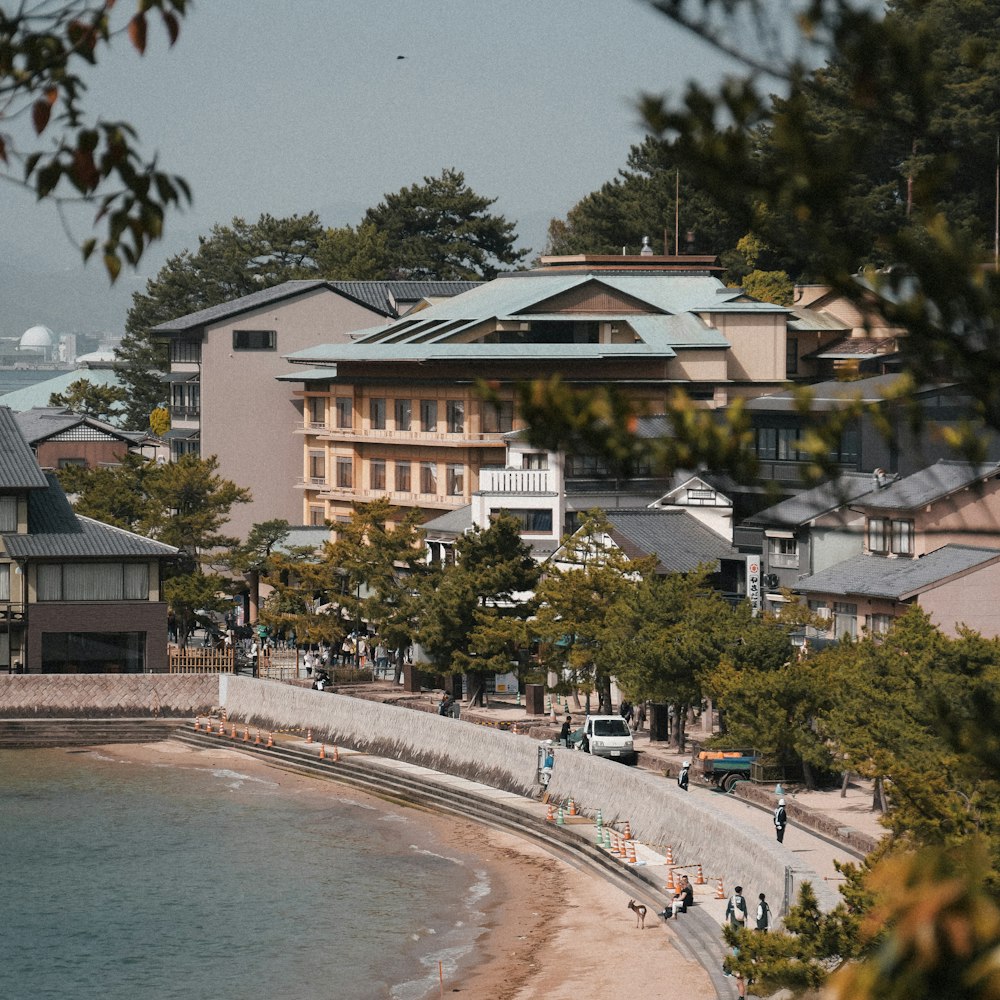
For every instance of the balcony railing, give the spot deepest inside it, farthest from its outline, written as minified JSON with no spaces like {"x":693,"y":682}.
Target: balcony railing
{"x":515,"y":480}
{"x":391,"y":435}
{"x":11,"y":612}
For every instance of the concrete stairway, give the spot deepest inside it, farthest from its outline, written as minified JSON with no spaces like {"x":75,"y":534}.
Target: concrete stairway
{"x":55,"y":732}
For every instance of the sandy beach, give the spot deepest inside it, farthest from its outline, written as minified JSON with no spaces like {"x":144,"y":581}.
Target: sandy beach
{"x":552,"y":931}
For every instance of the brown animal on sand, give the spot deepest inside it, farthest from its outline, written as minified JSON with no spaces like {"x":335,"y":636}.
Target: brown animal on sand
{"x":640,"y":913}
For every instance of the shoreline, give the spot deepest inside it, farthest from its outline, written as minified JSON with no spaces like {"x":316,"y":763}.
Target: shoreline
{"x":548,"y":932}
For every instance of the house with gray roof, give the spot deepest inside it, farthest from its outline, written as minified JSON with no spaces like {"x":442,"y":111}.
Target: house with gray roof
{"x":221,"y":389}
{"x":76,"y":595}
{"x":917,"y":533}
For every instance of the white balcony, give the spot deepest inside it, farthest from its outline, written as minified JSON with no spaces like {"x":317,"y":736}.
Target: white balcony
{"x":515,"y":481}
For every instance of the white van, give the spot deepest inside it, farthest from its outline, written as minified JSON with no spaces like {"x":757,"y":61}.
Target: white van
{"x":608,"y":736}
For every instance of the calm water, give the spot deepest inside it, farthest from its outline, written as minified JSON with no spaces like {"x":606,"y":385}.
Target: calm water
{"x":129,"y":881}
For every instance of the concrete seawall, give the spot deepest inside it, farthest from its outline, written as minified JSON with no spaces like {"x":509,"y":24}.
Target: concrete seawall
{"x":658,"y":813}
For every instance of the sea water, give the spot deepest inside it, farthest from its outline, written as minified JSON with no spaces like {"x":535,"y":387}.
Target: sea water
{"x":123,"y":880}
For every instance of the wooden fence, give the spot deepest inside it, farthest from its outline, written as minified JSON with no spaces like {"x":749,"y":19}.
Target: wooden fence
{"x":200,"y":661}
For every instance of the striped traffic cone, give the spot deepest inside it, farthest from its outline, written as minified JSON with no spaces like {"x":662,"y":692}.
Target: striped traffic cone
{"x":322,"y":751}
{"x":270,"y":739}
{"x":560,"y":819}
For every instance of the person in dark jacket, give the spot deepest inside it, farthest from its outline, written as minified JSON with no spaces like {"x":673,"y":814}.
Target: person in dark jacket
{"x":780,"y":820}
{"x":763,"y":914}
{"x":567,"y":728}
{"x":736,"y":909}
{"x":683,"y":774}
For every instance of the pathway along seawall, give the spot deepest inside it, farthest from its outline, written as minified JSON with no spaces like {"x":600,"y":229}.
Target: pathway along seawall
{"x":658,"y":813}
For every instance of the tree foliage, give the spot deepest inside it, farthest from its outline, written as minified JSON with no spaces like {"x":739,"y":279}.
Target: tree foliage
{"x":83,"y":396}
{"x":48,"y":143}
{"x":442,"y":229}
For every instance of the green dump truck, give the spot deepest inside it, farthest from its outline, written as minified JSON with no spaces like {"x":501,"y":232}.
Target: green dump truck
{"x":723,"y":768}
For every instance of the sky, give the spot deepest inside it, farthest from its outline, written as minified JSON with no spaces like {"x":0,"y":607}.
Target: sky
{"x":291,"y":106}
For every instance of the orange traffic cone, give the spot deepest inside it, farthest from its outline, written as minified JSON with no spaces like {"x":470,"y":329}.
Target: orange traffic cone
{"x":670,"y":880}
{"x":270,"y":739}
{"x":670,"y":855}
{"x":628,"y":831}
{"x":572,"y":808}
{"x":630,"y":857}
{"x":551,"y":814}
{"x":222,"y":727}
{"x":309,"y":736}
{"x":246,"y":734}
{"x":336,"y":755}
{"x":256,"y":741}
{"x":322,"y":751}
{"x":719,"y":894}
{"x":699,"y":878}
{"x":232,"y":734}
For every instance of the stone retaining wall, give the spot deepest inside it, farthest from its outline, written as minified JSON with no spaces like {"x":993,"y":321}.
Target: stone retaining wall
{"x":106,"y":696}
{"x":658,"y":813}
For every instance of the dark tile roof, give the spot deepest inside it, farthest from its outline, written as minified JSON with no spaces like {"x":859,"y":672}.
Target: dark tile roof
{"x":18,"y":467}
{"x":930,"y":484}
{"x":831,"y":395}
{"x":56,"y":532}
{"x":41,"y":422}
{"x":679,"y":541}
{"x":897,"y":579}
{"x":809,"y":504}
{"x":382,"y":297}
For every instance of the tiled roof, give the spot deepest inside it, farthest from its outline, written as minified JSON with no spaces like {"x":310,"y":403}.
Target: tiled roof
{"x":856,"y":347}
{"x":897,"y":579}
{"x":18,"y":467}
{"x":56,"y":532}
{"x":830,"y":395}
{"x":679,"y":541}
{"x":809,"y":504}
{"x":928,"y":485}
{"x":43,"y":422}
{"x":814,"y":319}
{"x":382,"y":297}
{"x":39,"y":393}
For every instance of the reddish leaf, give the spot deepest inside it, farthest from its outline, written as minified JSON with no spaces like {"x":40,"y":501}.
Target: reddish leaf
{"x":40,"y":112}
{"x":137,"y":33}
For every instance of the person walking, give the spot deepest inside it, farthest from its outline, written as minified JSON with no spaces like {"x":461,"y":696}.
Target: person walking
{"x":567,"y":727}
{"x":683,"y":774}
{"x":763,"y":914}
{"x":780,"y":820}
{"x":736,"y":909}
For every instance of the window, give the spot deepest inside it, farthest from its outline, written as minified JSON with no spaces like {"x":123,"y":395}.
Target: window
{"x":902,"y":538}
{"x":428,"y":415}
{"x":587,"y":466}
{"x":788,"y":444}
{"x":404,"y":414}
{"x":535,"y":460}
{"x":345,"y":472}
{"x":185,"y":399}
{"x":791,"y":355}
{"x":877,"y":534}
{"x":345,"y":412}
{"x":317,"y":411}
{"x":767,"y":443}
{"x":316,"y":516}
{"x":185,"y":351}
{"x":317,"y":467}
{"x":254,"y":340}
{"x":403,"y":480}
{"x":376,"y":474}
{"x":93,"y":652}
{"x":783,"y":553}
{"x":879,"y":624}
{"x":530,"y":521}
{"x":428,"y":477}
{"x":456,"y":480}
{"x":93,"y":582}
{"x":185,"y":446}
{"x":845,"y":619}
{"x":376,"y":413}
{"x":4,"y":581}
{"x":69,"y":463}
{"x":498,"y":418}
{"x":8,"y":513}
{"x":455,"y":415}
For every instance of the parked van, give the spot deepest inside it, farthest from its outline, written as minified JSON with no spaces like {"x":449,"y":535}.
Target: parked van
{"x":608,"y":736}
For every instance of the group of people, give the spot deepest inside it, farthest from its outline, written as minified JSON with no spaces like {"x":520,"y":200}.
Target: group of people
{"x":738,"y":915}
{"x":683,"y":898}
{"x":634,"y":715}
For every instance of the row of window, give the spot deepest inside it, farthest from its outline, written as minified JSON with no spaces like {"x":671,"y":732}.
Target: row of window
{"x":781,"y":444}
{"x":85,"y":582}
{"x":402,"y":475}
{"x":495,"y":418}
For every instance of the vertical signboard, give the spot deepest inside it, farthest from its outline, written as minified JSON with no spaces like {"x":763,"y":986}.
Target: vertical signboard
{"x":753,"y":582}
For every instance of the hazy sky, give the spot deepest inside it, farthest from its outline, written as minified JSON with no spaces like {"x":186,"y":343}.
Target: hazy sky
{"x":287,"y":106}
